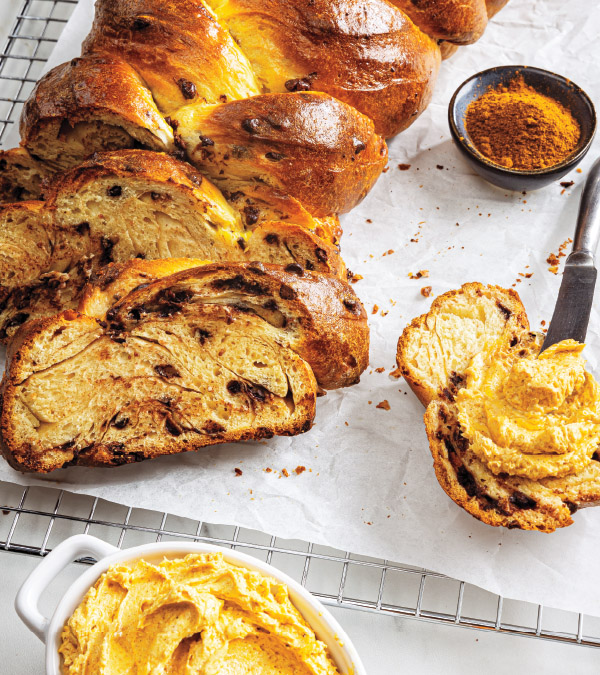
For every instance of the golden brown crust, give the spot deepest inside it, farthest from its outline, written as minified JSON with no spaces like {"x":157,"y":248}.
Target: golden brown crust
{"x":316,"y":149}
{"x":76,"y":105}
{"x":148,"y":347}
{"x":457,"y":21}
{"x":370,"y":56}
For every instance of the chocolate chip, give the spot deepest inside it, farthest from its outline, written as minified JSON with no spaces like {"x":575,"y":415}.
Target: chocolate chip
{"x":272,"y":239}
{"x":3,"y":164}
{"x":274,"y":156}
{"x":172,"y":427}
{"x":167,"y":371}
{"x":287,"y":292}
{"x":514,"y":341}
{"x":271,"y":305}
{"x":234,"y":387}
{"x":351,"y":305}
{"x":134,"y":314}
{"x":241,"y":242}
{"x":211,"y":427}
{"x":294,"y":268}
{"x":188,"y":89}
{"x":251,"y":125}
{"x":251,"y":214}
{"x":309,"y":265}
{"x":83,"y":228}
{"x":120,"y":423}
{"x":202,"y":335}
{"x":107,"y":247}
{"x":205,"y":141}
{"x":321,"y":254}
{"x":16,"y":320}
{"x":172,"y":123}
{"x":572,"y":507}
{"x":114,"y":191}
{"x":522,"y":501}
{"x":505,"y":311}
{"x":466,"y":479}
{"x":298,"y":84}
{"x":140,"y":23}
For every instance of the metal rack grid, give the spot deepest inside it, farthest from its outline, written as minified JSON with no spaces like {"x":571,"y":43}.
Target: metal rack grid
{"x":33,"y":520}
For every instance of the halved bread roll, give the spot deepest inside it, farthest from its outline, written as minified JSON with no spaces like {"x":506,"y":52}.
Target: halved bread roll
{"x":217,"y":353}
{"x":433,"y":355}
{"x":137,"y":203}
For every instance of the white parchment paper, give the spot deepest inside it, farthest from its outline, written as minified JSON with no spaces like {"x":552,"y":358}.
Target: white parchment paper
{"x":369,"y":486}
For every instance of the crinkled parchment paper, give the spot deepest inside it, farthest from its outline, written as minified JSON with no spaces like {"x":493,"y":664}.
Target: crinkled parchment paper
{"x":369,"y":486}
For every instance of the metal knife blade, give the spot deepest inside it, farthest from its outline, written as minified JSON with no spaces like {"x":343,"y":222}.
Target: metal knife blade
{"x":575,"y":297}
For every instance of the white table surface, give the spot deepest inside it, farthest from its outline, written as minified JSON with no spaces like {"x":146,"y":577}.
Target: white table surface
{"x":388,"y":646}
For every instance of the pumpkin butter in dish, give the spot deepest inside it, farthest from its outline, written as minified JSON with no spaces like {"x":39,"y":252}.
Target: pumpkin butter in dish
{"x":198,"y":614}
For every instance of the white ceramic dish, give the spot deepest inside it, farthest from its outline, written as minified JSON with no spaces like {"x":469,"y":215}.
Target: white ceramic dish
{"x":48,"y":630}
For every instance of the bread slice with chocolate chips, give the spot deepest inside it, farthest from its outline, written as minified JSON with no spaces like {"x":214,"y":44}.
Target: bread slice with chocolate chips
{"x":433,"y":355}
{"x":162,"y":358}
{"x":137,"y":203}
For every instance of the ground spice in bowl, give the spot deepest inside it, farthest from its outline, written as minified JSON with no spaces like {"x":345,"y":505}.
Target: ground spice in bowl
{"x":518,"y":127}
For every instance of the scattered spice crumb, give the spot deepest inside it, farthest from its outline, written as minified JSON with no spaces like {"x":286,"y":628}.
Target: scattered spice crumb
{"x":426,"y":291}
{"x":567,"y":183}
{"x":420,"y":274}
{"x":384,"y":405}
{"x":238,"y":472}
{"x":388,"y":252}
{"x":284,"y":472}
{"x":369,"y":220}
{"x":379,"y":370}
{"x":299,"y":469}
{"x":439,"y":166}
{"x":404,"y":167}
{"x":375,"y":309}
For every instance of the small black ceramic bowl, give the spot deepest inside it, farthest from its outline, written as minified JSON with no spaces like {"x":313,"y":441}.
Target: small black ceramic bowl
{"x":550,"y":84}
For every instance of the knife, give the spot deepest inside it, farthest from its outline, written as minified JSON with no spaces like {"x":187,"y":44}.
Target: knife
{"x":574,"y":304}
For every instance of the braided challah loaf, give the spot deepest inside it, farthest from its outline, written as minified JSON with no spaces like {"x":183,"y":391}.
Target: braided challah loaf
{"x":154,"y":364}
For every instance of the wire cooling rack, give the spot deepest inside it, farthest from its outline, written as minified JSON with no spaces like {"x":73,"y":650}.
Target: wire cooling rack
{"x":34,"y":520}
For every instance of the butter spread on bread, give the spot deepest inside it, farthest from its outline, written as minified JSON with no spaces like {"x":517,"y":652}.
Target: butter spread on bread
{"x":514,"y":438}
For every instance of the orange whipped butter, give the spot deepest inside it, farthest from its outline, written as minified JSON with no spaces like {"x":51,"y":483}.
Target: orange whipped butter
{"x":197,"y":614}
{"x":531,"y":417}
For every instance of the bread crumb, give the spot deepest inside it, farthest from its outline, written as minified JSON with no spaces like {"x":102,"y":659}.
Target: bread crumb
{"x":396,"y":373}
{"x":388,"y":252}
{"x":355,"y":278}
{"x":426,"y":291}
{"x":285,"y":472}
{"x":384,"y":313}
{"x":404,"y":167}
{"x":567,"y":184}
{"x":375,"y":309}
{"x":268,"y":469}
{"x":346,"y":423}
{"x":369,"y":402}
{"x":300,"y":469}
{"x":379,"y":370}
{"x":419,"y":275}
{"x":369,"y":220}
{"x":238,"y":472}
{"x":384,"y":405}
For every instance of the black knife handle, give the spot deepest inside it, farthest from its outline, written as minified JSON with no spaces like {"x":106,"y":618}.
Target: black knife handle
{"x":587,"y":233}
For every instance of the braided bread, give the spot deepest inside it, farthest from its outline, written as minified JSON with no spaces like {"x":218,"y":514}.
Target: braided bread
{"x":216,"y":353}
{"x":434,"y":353}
